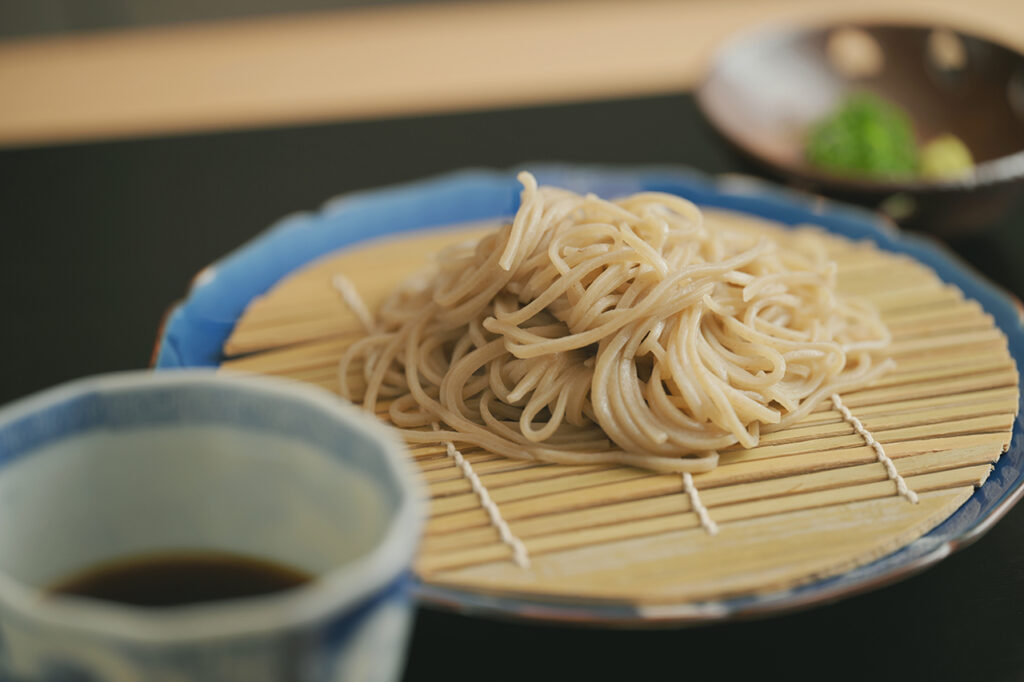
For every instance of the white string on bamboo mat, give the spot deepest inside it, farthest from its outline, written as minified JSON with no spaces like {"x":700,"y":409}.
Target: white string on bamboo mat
{"x":519,"y":553}
{"x":343,"y":285}
{"x":706,"y":522}
{"x":890,"y":467}
{"x":355,"y":302}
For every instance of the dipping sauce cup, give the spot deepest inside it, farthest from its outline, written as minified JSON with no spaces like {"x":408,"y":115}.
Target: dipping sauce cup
{"x":142,"y":464}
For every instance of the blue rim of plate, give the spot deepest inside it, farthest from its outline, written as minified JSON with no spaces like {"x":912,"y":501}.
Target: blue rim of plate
{"x":196,"y":329}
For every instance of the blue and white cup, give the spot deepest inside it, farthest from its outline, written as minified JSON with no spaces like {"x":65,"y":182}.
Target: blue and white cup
{"x":141,"y":463}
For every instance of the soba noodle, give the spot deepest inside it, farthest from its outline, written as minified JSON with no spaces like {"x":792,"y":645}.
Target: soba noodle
{"x":621,"y":331}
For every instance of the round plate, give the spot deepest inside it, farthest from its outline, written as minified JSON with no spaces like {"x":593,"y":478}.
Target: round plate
{"x":197,"y":329}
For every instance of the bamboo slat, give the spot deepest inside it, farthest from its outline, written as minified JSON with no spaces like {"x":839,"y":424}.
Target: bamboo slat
{"x":809,"y":501}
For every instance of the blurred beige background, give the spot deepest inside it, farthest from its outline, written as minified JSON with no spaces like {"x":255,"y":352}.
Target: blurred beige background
{"x":145,"y":67}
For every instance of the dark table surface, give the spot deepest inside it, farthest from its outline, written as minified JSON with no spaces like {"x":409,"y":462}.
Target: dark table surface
{"x":99,"y":239}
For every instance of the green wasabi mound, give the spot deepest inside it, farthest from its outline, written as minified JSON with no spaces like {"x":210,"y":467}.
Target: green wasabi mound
{"x":867,"y":136}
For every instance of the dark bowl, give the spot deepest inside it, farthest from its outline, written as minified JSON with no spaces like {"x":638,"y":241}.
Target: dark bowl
{"x":764,"y":90}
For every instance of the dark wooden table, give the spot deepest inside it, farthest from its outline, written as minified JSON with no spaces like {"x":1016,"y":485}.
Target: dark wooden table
{"x":99,"y":239}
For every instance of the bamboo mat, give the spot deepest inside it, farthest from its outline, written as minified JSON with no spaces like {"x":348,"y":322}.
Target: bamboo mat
{"x":808,"y":502}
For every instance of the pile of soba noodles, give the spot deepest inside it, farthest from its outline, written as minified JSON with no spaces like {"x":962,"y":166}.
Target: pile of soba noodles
{"x":623,"y":331}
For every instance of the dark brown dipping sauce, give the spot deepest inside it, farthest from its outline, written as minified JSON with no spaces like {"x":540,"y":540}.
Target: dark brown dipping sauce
{"x":180,"y":578}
